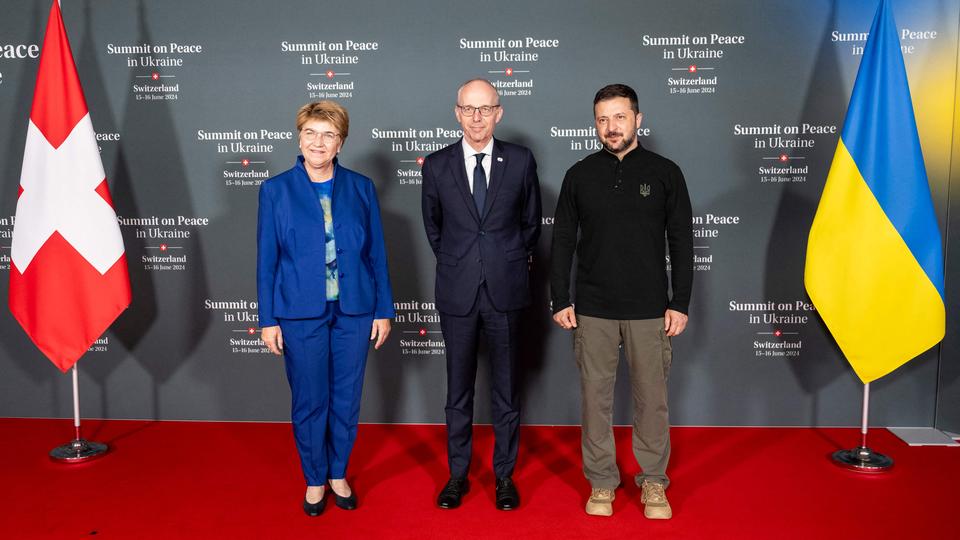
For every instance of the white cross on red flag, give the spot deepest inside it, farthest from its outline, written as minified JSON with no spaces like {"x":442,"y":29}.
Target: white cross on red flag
{"x":68,"y":277}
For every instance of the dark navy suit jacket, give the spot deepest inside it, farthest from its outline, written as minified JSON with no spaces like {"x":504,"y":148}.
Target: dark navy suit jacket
{"x":291,"y":248}
{"x":496,"y":242}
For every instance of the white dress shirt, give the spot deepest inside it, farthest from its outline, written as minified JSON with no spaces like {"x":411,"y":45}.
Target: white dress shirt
{"x":470,"y":162}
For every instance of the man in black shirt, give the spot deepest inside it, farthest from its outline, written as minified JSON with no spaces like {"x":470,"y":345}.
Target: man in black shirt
{"x":624,"y":201}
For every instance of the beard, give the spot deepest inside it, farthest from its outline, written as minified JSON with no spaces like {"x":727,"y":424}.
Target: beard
{"x":625,"y":142}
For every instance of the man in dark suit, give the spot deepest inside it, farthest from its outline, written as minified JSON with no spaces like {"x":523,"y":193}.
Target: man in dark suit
{"x":481,"y":211}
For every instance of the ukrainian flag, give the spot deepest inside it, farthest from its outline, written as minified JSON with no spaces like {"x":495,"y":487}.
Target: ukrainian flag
{"x":874,"y":267}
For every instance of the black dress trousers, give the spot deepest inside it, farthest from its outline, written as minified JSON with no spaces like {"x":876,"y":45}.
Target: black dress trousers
{"x":461,"y":334}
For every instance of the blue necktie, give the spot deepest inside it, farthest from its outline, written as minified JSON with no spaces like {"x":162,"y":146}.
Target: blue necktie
{"x":479,"y":184}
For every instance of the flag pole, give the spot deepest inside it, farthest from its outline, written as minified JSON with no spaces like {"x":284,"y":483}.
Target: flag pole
{"x":862,"y":458}
{"x":79,"y":449}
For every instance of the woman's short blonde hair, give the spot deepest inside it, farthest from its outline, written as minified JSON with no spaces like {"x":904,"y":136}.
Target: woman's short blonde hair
{"x":326,"y":111}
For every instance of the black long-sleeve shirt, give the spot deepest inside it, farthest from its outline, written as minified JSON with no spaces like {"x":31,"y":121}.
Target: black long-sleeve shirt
{"x":623,"y":210}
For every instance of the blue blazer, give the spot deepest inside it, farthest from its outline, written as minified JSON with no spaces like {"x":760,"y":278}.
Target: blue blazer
{"x":291,"y":248}
{"x":492,"y":245}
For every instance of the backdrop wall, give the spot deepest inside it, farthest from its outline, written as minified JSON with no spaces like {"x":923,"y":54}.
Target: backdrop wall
{"x":948,"y":391}
{"x":194,"y":104}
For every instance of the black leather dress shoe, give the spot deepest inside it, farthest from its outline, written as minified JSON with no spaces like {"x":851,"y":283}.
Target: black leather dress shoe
{"x":346,"y":503}
{"x":314,"y":509}
{"x":507,"y":496}
{"x":453,"y":492}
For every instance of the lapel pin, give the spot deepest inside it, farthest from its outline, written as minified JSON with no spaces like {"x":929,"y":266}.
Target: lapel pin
{"x":499,"y":158}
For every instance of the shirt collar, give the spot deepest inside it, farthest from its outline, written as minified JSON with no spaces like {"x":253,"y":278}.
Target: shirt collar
{"x":633,"y":154}
{"x":469,"y":152}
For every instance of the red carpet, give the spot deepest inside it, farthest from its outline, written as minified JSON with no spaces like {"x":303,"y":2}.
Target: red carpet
{"x":242,"y":480}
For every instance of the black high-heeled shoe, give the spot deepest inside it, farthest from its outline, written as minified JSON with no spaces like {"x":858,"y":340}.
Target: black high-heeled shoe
{"x":315,"y":509}
{"x":346,"y":503}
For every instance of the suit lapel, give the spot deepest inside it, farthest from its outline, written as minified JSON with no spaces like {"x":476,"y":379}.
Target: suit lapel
{"x":306,"y":197}
{"x":498,"y":162}
{"x":338,"y":197}
{"x":458,"y":169}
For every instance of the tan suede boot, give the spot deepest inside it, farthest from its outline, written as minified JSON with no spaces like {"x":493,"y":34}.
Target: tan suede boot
{"x":655,"y":504}
{"x":600,"y":502}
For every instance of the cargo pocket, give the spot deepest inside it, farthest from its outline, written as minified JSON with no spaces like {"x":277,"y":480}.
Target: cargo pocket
{"x":578,"y":345}
{"x":666,"y":351}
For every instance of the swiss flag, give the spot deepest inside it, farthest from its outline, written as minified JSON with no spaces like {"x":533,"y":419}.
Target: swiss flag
{"x":68,"y":277}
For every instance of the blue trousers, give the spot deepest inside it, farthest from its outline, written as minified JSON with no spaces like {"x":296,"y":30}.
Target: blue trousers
{"x":325,"y":358}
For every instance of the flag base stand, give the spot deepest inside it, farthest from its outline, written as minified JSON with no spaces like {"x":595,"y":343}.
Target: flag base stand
{"x":78,"y":451}
{"x":862,"y":459}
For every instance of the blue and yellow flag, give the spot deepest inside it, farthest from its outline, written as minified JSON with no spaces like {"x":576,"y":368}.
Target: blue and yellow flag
{"x":874,"y":266}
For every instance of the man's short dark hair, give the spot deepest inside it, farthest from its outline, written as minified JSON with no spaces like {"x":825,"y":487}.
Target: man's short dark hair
{"x":611,"y":91}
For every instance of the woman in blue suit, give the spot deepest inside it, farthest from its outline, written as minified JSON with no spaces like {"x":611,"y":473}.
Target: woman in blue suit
{"x":324,"y":293}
